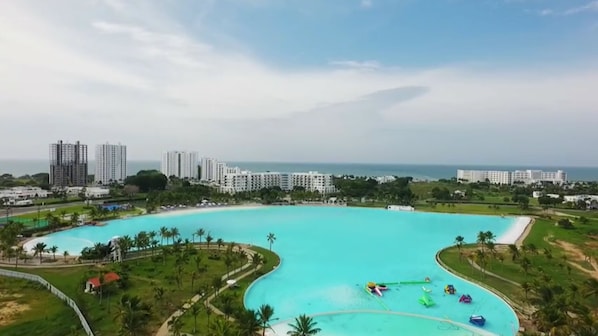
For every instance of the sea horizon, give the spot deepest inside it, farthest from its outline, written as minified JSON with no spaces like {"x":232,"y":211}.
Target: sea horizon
{"x":20,"y":167}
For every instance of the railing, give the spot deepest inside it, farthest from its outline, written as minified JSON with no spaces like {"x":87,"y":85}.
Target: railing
{"x":53,"y":290}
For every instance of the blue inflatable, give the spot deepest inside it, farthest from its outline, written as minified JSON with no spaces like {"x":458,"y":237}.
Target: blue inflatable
{"x":477,"y":320}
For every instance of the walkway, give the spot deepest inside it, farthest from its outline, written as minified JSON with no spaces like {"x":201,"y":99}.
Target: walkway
{"x":164,"y":330}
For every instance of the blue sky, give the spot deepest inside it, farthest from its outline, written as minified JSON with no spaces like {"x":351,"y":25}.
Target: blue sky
{"x":404,"y":81}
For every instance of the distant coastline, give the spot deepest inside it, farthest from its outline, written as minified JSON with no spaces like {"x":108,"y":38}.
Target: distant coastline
{"x":422,"y":172}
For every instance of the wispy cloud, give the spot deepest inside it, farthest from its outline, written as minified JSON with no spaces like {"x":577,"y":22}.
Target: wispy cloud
{"x":591,"y":6}
{"x":357,"y":64}
{"x":366,"y":3}
{"x":140,"y":77}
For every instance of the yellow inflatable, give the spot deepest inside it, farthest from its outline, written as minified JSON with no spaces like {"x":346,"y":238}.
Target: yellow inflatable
{"x":371,"y":284}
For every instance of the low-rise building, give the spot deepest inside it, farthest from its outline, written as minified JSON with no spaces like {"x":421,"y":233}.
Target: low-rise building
{"x":249,"y":181}
{"x":23,"y":193}
{"x":88,"y":192}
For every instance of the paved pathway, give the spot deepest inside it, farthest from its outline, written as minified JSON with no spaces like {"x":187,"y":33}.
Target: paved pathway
{"x":164,"y":330}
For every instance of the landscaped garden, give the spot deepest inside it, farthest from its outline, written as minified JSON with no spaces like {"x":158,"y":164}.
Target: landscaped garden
{"x":552,"y":277}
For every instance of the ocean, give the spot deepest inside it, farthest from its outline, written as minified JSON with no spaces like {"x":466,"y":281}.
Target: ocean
{"x":424,"y":172}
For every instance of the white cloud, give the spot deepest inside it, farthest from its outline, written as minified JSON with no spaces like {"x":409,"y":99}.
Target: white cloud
{"x":357,"y":64}
{"x":591,"y":6}
{"x":366,"y":3}
{"x":138,"y":77}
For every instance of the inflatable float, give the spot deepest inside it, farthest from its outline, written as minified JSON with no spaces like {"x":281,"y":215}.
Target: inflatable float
{"x":465,"y":298}
{"x":374,"y":288}
{"x":477,"y":320}
{"x":449,"y":289}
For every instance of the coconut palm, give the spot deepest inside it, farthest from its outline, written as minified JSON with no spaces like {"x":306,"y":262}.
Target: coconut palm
{"x":514,"y":252}
{"x":133,"y":314}
{"x":249,"y":322}
{"x":195,"y":310}
{"x":39,"y":249}
{"x":200,"y":233}
{"x":265,"y":314}
{"x":271,"y":238}
{"x":65,"y":254}
{"x":175,"y":325}
{"x":459,"y":241}
{"x":209,"y":239}
{"x":591,"y":287}
{"x":54,"y":249}
{"x":163,"y":234}
{"x":174,"y":233}
{"x":219,"y":242}
{"x":303,"y":326}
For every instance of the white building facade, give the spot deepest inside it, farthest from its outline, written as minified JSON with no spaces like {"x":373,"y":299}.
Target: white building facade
{"x":23,"y":193}
{"x":508,"y":177}
{"x":249,"y":181}
{"x":111,"y":164}
{"x":182,"y":165}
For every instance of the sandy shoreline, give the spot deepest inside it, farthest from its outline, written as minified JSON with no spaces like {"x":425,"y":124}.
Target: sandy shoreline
{"x":516,"y":231}
{"x":187,"y":211}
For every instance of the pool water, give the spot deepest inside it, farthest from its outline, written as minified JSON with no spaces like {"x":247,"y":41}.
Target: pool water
{"x":329,"y":254}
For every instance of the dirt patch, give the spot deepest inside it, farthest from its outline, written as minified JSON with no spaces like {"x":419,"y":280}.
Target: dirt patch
{"x":10,"y":310}
{"x":575,"y":254}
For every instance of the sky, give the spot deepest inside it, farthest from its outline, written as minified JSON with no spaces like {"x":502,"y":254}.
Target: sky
{"x":381,"y":81}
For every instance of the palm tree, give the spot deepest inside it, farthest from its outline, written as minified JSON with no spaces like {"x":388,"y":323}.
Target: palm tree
{"x":256,"y":261}
{"x":74,"y":218}
{"x":459,"y":240}
{"x":222,"y":327}
{"x":271,"y":238}
{"x":209,"y":239}
{"x":514,"y":252}
{"x":265,"y":314}
{"x":481,"y":239}
{"x":195,"y":310}
{"x":163,"y":234}
{"x":39,"y":249}
{"x":591,"y":287}
{"x":175,"y":325}
{"x":133,"y":315}
{"x":200,"y":233}
{"x":54,"y":249}
{"x":20,"y":250}
{"x":174,"y":233}
{"x":526,"y":286}
{"x":219,"y":242}
{"x":303,"y":326}
{"x":65,"y":254}
{"x":249,"y":322}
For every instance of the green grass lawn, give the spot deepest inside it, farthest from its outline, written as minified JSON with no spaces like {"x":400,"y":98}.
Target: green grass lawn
{"x":478,"y":209}
{"x":235,"y":295}
{"x":144,"y":276}
{"x":42,"y":313}
{"x":58,"y":212}
{"x":551,"y":266}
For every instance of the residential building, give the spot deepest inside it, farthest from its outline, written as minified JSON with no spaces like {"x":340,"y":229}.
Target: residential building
{"x":111,"y":164}
{"x":68,"y":164}
{"x":249,"y":181}
{"x":213,"y":170}
{"x":182,"y":165}
{"x":23,"y":193}
{"x":508,"y":177}
{"x":492,"y":176}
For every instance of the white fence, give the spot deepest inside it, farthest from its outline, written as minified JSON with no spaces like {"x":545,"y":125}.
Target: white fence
{"x":55,"y":291}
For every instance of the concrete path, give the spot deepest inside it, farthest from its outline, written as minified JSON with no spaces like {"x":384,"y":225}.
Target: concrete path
{"x":164,"y":330}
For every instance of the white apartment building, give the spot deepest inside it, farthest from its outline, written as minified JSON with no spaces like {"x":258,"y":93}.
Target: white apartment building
{"x":507,"y":177}
{"x":534,"y":176}
{"x":111,"y":164}
{"x":494,"y":176}
{"x":180,"y":164}
{"x":249,"y":181}
{"x":213,"y":170}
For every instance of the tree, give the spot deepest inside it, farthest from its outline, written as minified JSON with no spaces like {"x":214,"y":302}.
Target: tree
{"x":200,"y":233}
{"x":65,"y":254}
{"x":271,"y":238}
{"x":459,"y":240}
{"x":265,"y":314}
{"x":175,"y":325}
{"x":54,"y":249}
{"x":303,"y":326}
{"x":148,"y":180}
{"x":249,"y":322}
{"x":164,"y":233}
{"x":209,"y":239}
{"x":565,"y":223}
{"x":220,"y":243}
{"x":133,"y":315}
{"x":39,"y":249}
{"x":195,"y":310}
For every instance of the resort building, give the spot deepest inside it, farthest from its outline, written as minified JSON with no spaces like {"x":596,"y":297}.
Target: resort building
{"x":111,"y":164}
{"x":249,"y":181}
{"x":182,"y":165}
{"x":68,"y":164}
{"x":508,"y":177}
{"x":23,"y":193}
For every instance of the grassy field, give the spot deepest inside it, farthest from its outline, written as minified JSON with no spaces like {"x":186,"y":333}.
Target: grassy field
{"x":145,"y":276}
{"x":478,"y":209}
{"x":235,"y":295}
{"x":549,"y":260}
{"x":26,"y":308}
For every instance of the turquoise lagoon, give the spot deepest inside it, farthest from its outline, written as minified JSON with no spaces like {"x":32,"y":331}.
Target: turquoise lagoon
{"x":329,"y":253}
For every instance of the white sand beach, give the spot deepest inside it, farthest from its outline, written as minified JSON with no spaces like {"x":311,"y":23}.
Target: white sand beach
{"x":516,"y":230}
{"x":187,"y":211}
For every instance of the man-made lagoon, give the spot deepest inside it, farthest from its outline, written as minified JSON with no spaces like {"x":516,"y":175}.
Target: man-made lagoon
{"x":328,"y":256}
